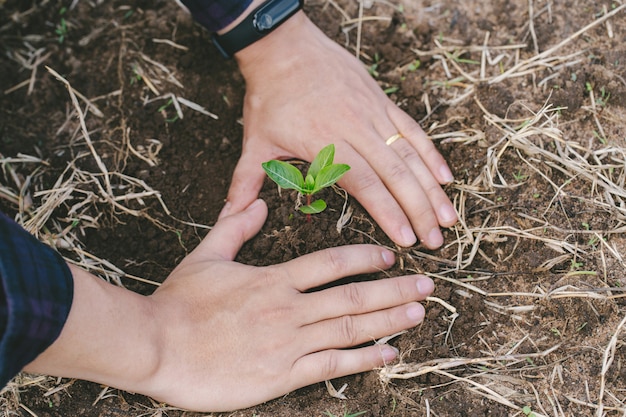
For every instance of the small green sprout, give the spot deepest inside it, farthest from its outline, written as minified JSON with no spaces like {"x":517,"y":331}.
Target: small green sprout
{"x":603,"y":100}
{"x":520,"y":176}
{"x":373,"y":69}
{"x":163,"y":111}
{"x":321,"y":174}
{"x":413,"y":66}
{"x":391,"y":90}
{"x":136,"y":77}
{"x":575,"y":266}
{"x":62,"y":29}
{"x":528,"y":411}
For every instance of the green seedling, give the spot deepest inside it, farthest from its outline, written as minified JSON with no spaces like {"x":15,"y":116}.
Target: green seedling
{"x":391,"y":90}
{"x":136,"y":77}
{"x":603,"y":100}
{"x":163,"y":111}
{"x":61,"y":29}
{"x":321,"y":174}
{"x":520,"y":176}
{"x":373,"y":69}
{"x":414,"y":66}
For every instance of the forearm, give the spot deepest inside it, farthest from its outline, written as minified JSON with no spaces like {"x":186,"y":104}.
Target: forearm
{"x":109,"y":337}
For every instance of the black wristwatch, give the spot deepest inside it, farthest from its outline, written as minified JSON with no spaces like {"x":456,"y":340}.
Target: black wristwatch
{"x":256,"y":25}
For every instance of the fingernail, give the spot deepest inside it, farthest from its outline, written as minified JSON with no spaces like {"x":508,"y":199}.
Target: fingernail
{"x":435,"y":238}
{"x":225,"y":210}
{"x":446,"y":174}
{"x":448,"y":214}
{"x":388,"y":257}
{"x":425,"y":286}
{"x":415,"y":313}
{"x":408,"y":236}
{"x":389,"y":353}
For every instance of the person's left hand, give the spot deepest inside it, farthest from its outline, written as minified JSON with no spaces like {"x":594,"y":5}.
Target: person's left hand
{"x":303,"y":92}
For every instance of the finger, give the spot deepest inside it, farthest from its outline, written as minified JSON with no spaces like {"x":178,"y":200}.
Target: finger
{"x":319,"y":268}
{"x":230,"y":233}
{"x":412,"y":131}
{"x":407,"y":191}
{"x":436,"y":196}
{"x":246,"y":183}
{"x":365,"y":297}
{"x":365,"y":184}
{"x":331,"y":364}
{"x":353,"y":330}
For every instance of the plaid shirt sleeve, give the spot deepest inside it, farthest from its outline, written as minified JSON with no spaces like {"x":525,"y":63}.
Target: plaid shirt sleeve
{"x":216,"y":14}
{"x":36,"y":294}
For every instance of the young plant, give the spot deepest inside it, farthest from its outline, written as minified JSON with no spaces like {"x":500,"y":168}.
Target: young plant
{"x":61,"y":29}
{"x":321,"y":174}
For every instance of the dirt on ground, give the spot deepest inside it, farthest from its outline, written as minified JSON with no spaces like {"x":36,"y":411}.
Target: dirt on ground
{"x":526,"y":100}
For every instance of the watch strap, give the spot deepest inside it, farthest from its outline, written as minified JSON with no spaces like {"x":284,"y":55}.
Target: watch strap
{"x":262,"y":21}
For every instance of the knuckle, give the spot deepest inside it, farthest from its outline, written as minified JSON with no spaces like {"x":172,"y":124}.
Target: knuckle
{"x":347,"y":330}
{"x":330,"y":366}
{"x":407,"y":152}
{"x":398,"y":171}
{"x":337,"y":261}
{"x":402,"y":292}
{"x":353,"y":295}
{"x":388,"y":324}
{"x":367,"y":181}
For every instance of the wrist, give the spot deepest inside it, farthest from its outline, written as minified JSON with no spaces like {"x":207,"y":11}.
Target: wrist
{"x":109,"y":337}
{"x":258,"y":21}
{"x":281,"y":48}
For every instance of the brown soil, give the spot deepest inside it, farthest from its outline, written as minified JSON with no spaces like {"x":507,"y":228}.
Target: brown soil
{"x":106,"y":43}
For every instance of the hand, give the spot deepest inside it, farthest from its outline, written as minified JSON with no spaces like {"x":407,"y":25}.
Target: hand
{"x":303,"y":92}
{"x":239,"y":335}
{"x":218,"y":335}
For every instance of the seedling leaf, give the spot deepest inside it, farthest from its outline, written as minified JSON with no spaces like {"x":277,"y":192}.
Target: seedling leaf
{"x":285,"y":175}
{"x":323,"y":159}
{"x":321,"y":174}
{"x":315,"y":207}
{"x":329,"y":175}
{"x":309,"y":183}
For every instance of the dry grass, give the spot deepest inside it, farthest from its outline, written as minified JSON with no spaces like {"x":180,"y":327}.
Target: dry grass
{"x":81,"y":197}
{"x":593,"y":173}
{"x":588,"y":172}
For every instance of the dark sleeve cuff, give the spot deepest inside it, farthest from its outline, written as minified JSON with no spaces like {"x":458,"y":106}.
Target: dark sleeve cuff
{"x":216,"y":14}
{"x":35,"y":297}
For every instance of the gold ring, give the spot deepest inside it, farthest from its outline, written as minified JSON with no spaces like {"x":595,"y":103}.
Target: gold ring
{"x":393,"y":138}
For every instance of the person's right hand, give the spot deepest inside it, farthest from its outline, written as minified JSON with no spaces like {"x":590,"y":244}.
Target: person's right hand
{"x":234,"y":335}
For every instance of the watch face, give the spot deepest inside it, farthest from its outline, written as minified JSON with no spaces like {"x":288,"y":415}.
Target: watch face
{"x":264,"y":22}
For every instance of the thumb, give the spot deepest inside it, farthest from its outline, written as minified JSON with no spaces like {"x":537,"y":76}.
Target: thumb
{"x":230,"y":233}
{"x":247,"y":181}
